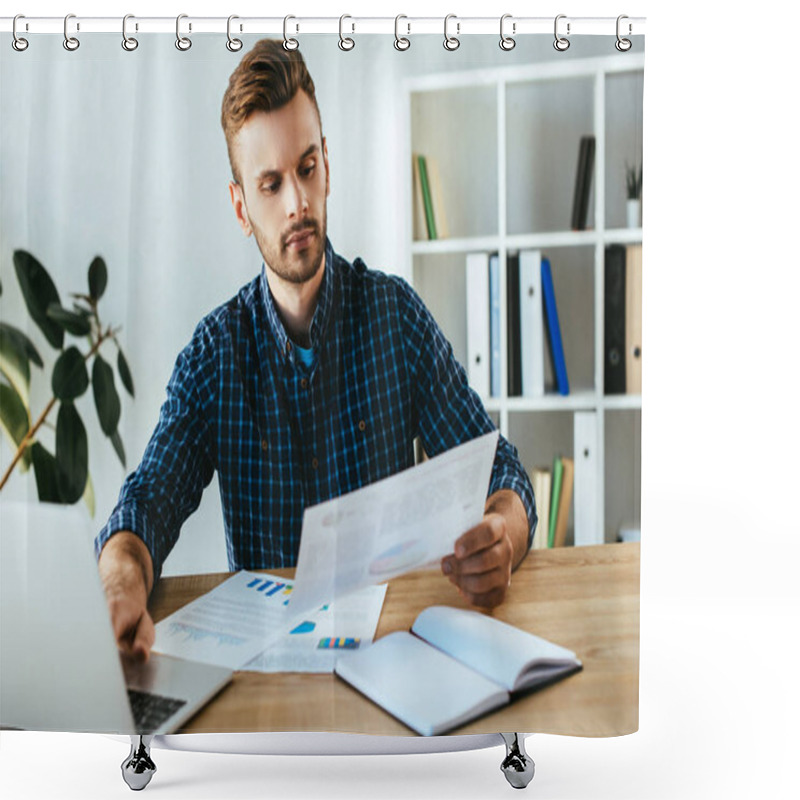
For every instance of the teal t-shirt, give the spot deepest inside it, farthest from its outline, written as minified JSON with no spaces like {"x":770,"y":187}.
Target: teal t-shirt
{"x":306,"y":356}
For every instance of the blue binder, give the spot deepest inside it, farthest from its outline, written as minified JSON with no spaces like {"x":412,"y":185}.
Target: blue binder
{"x":553,"y":328}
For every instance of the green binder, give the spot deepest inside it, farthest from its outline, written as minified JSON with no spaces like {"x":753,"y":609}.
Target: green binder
{"x":426,"y":196}
{"x":555,"y":496}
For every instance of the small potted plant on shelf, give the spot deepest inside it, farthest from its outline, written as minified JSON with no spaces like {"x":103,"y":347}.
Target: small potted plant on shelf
{"x":633,"y":183}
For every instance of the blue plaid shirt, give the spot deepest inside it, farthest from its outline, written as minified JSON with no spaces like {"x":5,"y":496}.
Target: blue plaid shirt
{"x":282,"y":435}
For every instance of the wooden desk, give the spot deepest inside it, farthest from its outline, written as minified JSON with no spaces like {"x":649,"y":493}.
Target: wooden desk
{"x":585,"y":598}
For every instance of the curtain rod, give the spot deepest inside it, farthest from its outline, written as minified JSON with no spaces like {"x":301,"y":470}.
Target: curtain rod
{"x":349,"y":25}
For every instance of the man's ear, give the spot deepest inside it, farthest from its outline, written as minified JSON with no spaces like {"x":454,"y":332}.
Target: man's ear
{"x":327,"y":167}
{"x":239,"y":207}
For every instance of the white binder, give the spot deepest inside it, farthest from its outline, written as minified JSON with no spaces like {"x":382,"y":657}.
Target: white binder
{"x":478,"y":322}
{"x":588,"y":528}
{"x":531,"y":323}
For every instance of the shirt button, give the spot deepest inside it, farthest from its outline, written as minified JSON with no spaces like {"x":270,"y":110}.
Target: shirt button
{"x":362,"y":426}
{"x":288,"y":347}
{"x":314,"y":463}
{"x":303,"y":383}
{"x":264,"y":445}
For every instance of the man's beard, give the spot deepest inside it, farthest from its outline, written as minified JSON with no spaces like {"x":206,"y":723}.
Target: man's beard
{"x":305,"y":265}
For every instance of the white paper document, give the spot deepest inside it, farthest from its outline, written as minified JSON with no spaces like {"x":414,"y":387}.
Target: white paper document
{"x":314,"y":644}
{"x":245,"y":623}
{"x":393,"y":526}
{"x":230,"y":624}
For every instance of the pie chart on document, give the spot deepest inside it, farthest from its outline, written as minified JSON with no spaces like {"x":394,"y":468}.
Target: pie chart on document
{"x":399,"y":557}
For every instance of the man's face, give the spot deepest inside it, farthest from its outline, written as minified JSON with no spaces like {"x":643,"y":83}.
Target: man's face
{"x":283,"y":165}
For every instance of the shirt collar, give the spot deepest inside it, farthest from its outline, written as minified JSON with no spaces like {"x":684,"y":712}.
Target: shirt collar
{"x":322,"y":312}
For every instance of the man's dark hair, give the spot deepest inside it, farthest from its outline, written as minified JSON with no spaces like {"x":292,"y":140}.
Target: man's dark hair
{"x":267,"y":78}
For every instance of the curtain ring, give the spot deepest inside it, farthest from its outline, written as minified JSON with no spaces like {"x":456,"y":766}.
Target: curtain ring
{"x":70,"y":42}
{"x":345,"y":42}
{"x":128,"y":42}
{"x":561,"y":44}
{"x":234,"y":45}
{"x":400,"y":42}
{"x":451,"y":42}
{"x":289,"y":44}
{"x":183,"y":43}
{"x":507,"y":42}
{"x":623,"y":45}
{"x":18,"y":43}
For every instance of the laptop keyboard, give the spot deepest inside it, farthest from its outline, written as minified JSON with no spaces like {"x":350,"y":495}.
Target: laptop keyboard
{"x":151,"y":710}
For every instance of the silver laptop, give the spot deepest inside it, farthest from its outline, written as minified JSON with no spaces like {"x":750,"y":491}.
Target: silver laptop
{"x":60,"y":669}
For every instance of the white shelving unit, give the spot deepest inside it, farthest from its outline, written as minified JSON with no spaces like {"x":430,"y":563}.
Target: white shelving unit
{"x":506,"y":141}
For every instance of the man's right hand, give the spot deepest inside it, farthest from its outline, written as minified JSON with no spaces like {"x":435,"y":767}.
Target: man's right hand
{"x":126,"y":571}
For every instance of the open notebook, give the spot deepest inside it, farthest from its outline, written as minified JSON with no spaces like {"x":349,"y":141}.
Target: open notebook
{"x":454,"y":666}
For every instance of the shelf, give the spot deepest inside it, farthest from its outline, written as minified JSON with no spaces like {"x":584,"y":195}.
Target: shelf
{"x":623,"y":236}
{"x":528,"y":241}
{"x":538,"y":241}
{"x":474,"y":244}
{"x":506,"y":142}
{"x":614,"y":402}
{"x":577,"y":401}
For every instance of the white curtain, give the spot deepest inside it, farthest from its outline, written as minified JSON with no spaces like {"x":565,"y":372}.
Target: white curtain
{"x":122,"y":155}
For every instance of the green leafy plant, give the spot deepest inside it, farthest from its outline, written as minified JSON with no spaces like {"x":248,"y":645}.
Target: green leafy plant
{"x":633,"y":182}
{"x":63,"y":476}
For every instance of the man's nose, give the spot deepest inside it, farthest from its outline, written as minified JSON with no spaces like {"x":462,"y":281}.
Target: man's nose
{"x":296,"y":200}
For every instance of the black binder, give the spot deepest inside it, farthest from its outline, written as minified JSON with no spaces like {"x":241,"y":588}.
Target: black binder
{"x":583,"y":183}
{"x":515,"y":344}
{"x":614,"y":326}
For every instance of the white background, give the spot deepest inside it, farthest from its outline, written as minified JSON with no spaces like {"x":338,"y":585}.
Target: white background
{"x":720,"y":608}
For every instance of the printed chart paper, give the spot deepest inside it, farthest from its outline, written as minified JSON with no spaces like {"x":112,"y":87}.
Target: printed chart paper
{"x":245,"y":623}
{"x":230,"y":624}
{"x":313,"y":645}
{"x":393,"y":526}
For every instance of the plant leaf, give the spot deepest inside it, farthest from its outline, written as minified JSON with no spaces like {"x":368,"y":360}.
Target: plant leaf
{"x":14,"y":421}
{"x":70,"y":377}
{"x":98,"y":278}
{"x":124,"y":371}
{"x":106,"y":399}
{"x":14,"y":363}
{"x":25,"y":342}
{"x":38,"y":291}
{"x":76,"y":324}
{"x":120,"y":450}
{"x":72,"y":454}
{"x":45,"y":469}
{"x":88,"y":497}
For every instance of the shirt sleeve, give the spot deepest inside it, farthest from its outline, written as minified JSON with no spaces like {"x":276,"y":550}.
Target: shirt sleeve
{"x":448,"y":411}
{"x":177,"y":464}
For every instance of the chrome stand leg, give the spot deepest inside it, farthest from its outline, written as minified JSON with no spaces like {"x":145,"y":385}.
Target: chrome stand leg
{"x":518,"y":766}
{"x":138,"y":768}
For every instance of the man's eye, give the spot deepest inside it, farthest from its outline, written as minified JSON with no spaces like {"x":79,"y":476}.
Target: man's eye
{"x":307,"y":169}
{"x":270,"y":188}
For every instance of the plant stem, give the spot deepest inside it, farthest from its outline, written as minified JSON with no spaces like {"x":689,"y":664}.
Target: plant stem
{"x":48,"y":408}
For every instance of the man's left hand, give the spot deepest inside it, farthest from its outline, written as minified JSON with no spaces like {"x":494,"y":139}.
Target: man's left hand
{"x":485,"y":555}
{"x":481,"y":565}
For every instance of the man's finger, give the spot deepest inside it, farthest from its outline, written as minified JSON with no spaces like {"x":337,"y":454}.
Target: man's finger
{"x":485,"y":582}
{"x":145,"y":637}
{"x":134,"y":638}
{"x":490,"y":599}
{"x":483,"y":535}
{"x":494,"y":557}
